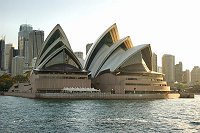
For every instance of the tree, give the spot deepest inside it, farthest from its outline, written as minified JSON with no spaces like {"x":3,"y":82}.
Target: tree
{"x":20,"y":79}
{"x":6,"y":82}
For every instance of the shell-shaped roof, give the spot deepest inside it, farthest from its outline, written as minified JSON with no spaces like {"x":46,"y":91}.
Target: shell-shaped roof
{"x":124,"y":44}
{"x":125,"y":58}
{"x":114,"y":54}
{"x":109,"y":37}
{"x":56,"y":50}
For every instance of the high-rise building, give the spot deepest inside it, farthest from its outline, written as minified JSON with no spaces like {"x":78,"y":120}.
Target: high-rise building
{"x":88,"y":47}
{"x":23,"y":41}
{"x":17,"y":65}
{"x":168,"y":62}
{"x":8,"y":57}
{"x":14,"y":52}
{"x":154,"y":62}
{"x":186,"y":77}
{"x":178,"y":72}
{"x":2,"y":51}
{"x":195,"y":74}
{"x":79,"y":54}
{"x":36,"y":39}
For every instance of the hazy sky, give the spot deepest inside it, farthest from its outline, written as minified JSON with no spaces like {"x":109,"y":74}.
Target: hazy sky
{"x":170,"y":26}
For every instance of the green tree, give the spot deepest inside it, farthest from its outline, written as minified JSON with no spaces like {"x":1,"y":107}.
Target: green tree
{"x":6,"y":82}
{"x":20,"y":79}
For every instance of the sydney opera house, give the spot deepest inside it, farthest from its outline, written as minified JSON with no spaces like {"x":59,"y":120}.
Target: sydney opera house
{"x":112,"y":65}
{"x":115,"y":65}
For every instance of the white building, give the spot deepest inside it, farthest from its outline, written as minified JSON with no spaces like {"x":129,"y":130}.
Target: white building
{"x":8,"y":58}
{"x":17,"y":65}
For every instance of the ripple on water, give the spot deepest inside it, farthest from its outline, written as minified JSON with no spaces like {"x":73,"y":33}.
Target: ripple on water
{"x":30,"y":115}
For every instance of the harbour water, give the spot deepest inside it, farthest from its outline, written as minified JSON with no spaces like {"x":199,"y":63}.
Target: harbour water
{"x":20,"y":115}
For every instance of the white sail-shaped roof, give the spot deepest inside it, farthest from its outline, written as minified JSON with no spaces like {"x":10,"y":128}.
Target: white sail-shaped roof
{"x":121,"y":60}
{"x":96,"y":66}
{"x":106,"y":40}
{"x":56,"y":50}
{"x":111,"y":53}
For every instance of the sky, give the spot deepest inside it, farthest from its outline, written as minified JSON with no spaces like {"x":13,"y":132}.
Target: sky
{"x":170,"y":26}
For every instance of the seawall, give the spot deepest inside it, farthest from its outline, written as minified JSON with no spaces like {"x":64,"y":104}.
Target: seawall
{"x":94,"y":96}
{"x":20,"y":94}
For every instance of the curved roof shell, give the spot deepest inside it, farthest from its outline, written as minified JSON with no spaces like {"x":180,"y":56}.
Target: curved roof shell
{"x":107,"y":39}
{"x":56,"y":50}
{"x":124,"y":44}
{"x":114,"y":54}
{"x":135,"y":57}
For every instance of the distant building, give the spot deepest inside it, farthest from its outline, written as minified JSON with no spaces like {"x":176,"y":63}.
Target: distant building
{"x":2,"y":51}
{"x":23,"y":41}
{"x":8,"y":57}
{"x":36,"y":39}
{"x":154,"y":62}
{"x":17,"y":65}
{"x":186,"y":77}
{"x":195,"y":74}
{"x":168,"y":62}
{"x":79,"y":54}
{"x":159,"y":69}
{"x":178,"y":72}
{"x":88,"y":46}
{"x":14,"y":52}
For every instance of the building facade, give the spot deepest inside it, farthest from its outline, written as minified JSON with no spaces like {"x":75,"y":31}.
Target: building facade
{"x":17,"y":65}
{"x":154,"y":62}
{"x":168,"y":62}
{"x":79,"y":54}
{"x":8,"y":57}
{"x":88,"y":46}
{"x":178,"y":72}
{"x":186,"y":77}
{"x":195,"y":74}
{"x":23,"y":41}
{"x":2,"y":51}
{"x":36,"y":39}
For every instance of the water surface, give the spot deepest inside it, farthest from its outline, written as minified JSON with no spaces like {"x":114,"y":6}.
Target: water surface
{"x":68,"y":116}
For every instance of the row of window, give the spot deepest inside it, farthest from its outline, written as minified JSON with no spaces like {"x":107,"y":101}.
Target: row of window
{"x":61,"y":91}
{"x":144,"y":79}
{"x":57,"y":77}
{"x":141,"y":84}
{"x":145,"y":92}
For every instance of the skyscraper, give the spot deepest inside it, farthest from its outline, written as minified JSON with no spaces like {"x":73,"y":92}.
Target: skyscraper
{"x":88,"y":47}
{"x":36,"y":39}
{"x":178,"y":72}
{"x":14,"y":52}
{"x":186,"y":78}
{"x":8,"y":57}
{"x":195,"y":74}
{"x":154,"y":62}
{"x":2,"y":51}
{"x":23,"y":41}
{"x":17,"y":65}
{"x":168,"y":62}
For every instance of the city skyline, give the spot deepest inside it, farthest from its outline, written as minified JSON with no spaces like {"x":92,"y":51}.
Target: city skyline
{"x":171,"y":27}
